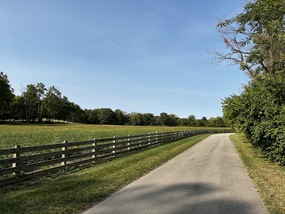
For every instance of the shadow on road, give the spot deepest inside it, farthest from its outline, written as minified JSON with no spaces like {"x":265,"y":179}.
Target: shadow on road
{"x":180,"y":198}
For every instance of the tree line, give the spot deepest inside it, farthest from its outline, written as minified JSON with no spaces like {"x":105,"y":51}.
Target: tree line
{"x":38,"y":104}
{"x":255,"y":40}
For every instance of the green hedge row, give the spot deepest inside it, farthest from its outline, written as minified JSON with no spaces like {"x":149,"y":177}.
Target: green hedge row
{"x":259,"y":112}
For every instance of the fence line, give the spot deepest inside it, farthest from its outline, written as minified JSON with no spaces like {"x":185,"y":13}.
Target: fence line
{"x":23,"y":163}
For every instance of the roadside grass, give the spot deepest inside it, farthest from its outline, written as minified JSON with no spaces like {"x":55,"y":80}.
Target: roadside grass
{"x":39,"y":134}
{"x":268,"y":177}
{"x":75,"y":191}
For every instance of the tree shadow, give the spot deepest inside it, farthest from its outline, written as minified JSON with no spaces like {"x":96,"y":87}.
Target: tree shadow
{"x":201,"y":198}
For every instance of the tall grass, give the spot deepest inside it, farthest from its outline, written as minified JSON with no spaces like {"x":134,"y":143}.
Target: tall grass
{"x":31,"y":135}
{"x":268,"y":177}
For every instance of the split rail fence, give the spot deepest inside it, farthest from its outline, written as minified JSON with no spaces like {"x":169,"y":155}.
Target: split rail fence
{"x":23,"y":163}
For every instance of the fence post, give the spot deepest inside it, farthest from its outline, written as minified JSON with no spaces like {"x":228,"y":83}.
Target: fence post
{"x":156,"y":138}
{"x":128,"y":144}
{"x":140,"y":140}
{"x":17,"y":163}
{"x":149,"y":136}
{"x":114,"y":146}
{"x":64,"y":155}
{"x":94,"y":149}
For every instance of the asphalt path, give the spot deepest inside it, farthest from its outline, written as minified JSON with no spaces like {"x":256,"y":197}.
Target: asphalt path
{"x":207,"y":178}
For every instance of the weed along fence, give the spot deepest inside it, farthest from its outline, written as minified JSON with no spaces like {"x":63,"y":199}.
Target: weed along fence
{"x":23,"y":163}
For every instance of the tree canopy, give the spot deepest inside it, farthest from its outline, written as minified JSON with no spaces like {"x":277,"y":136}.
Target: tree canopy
{"x":6,"y":95}
{"x":255,"y":40}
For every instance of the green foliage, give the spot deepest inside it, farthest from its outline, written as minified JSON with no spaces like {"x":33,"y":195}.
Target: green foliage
{"x":6,"y":96}
{"x":256,"y":41}
{"x":255,"y":38}
{"x":259,"y":112}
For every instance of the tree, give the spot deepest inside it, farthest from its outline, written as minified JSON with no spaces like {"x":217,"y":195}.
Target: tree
{"x":192,"y":120}
{"x":216,"y":122}
{"x":148,"y":119}
{"x":121,"y":117}
{"x":168,"y":120}
{"x":76,"y":114}
{"x":6,"y":95}
{"x":91,"y":116}
{"x":32,"y":97}
{"x":183,"y":122}
{"x":52,"y":104}
{"x":255,"y":38}
{"x":106,"y":116}
{"x":18,"y":108}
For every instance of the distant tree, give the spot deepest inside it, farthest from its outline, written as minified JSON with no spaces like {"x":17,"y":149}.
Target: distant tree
{"x":6,"y":95}
{"x":106,"y":116}
{"x":167,"y":120}
{"x":216,"y":122}
{"x":156,"y":121}
{"x":136,"y":119}
{"x":76,"y":114}
{"x":148,"y":119}
{"x":91,"y":116}
{"x":173,"y":120}
{"x":183,"y":122}
{"x":18,"y":108}
{"x":121,"y":117}
{"x":52,"y":104}
{"x":32,"y":97}
{"x":192,"y":120}
{"x":65,"y":111}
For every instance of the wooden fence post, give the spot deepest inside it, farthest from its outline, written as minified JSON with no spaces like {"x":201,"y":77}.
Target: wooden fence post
{"x":155,"y":137}
{"x":17,"y":163}
{"x":140,"y":140}
{"x":128,"y":144}
{"x":64,"y":155}
{"x":94,"y":149}
{"x":114,"y":145}
{"x":149,"y":136}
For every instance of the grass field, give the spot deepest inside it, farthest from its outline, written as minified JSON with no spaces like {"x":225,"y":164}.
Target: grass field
{"x":268,"y":177}
{"x":30,"y":135}
{"x":75,"y":191}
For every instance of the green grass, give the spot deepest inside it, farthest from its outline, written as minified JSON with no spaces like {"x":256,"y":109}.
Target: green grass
{"x":268,"y":177}
{"x":76,"y":191}
{"x":31,"y":135}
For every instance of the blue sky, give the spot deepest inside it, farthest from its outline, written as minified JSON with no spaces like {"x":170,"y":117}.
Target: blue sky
{"x":146,"y":56}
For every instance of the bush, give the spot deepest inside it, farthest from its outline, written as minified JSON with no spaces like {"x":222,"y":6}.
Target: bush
{"x":259,"y":112}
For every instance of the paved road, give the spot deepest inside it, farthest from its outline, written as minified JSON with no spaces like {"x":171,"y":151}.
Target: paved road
{"x":207,"y":178}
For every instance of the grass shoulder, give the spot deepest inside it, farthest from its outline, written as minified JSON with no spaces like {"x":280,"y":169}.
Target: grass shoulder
{"x":76,"y":191}
{"x":268,"y":177}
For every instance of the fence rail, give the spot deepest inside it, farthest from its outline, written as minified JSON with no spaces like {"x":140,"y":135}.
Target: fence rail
{"x":23,"y":163}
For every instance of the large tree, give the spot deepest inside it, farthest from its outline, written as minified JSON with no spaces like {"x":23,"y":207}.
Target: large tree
{"x":52,"y":104}
{"x":32,"y":98}
{"x":6,"y":95}
{"x":255,"y":38}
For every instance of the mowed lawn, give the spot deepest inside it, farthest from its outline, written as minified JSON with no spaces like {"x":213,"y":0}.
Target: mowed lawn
{"x":31,"y":135}
{"x":77,"y":190}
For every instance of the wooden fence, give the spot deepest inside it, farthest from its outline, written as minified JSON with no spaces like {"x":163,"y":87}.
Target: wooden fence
{"x":23,"y":163}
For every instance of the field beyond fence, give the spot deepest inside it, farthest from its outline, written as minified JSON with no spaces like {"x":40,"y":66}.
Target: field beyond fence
{"x":23,"y":163}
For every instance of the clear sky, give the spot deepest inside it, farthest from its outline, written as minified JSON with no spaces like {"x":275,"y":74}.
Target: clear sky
{"x":146,"y":56}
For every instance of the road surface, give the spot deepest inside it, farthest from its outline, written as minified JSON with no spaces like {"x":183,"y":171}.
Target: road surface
{"x":207,"y":178}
